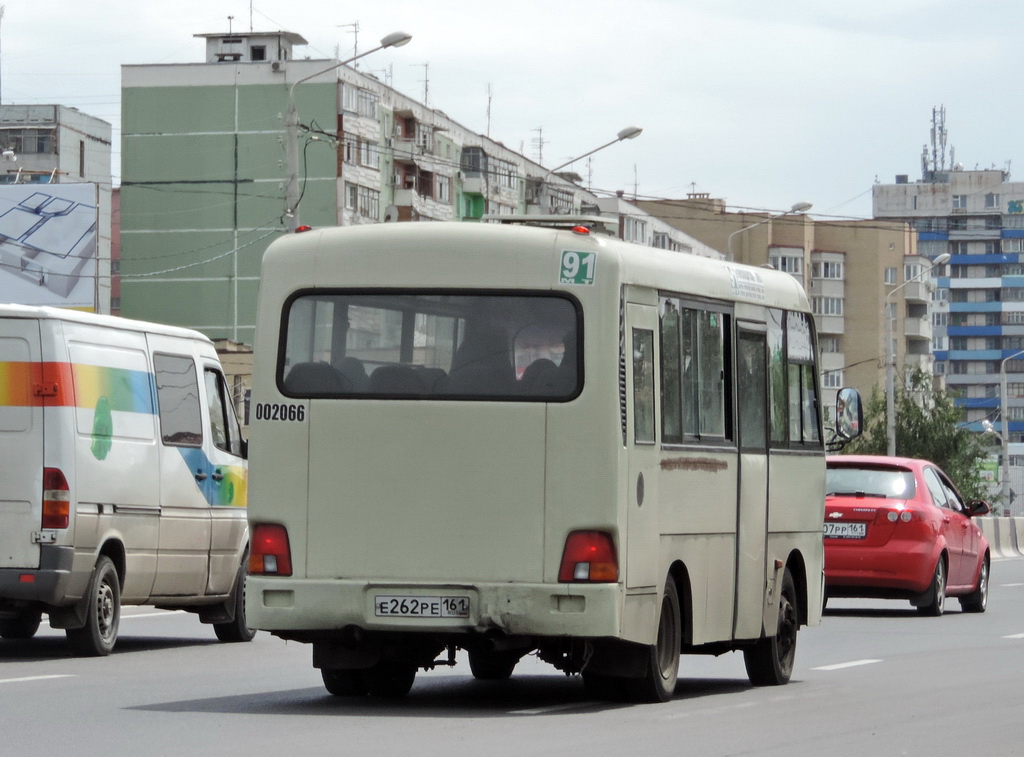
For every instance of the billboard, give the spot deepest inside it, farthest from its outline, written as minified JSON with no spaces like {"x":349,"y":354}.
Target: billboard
{"x":48,"y":244}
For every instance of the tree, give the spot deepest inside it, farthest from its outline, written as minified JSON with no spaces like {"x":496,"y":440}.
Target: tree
{"x":928,"y":427}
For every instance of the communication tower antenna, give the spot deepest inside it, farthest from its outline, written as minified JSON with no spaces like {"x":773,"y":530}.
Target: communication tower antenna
{"x":939,"y":136}
{"x":355,"y":39}
{"x":426,"y":81}
{"x":488,"y":132}
{"x":538,"y":143}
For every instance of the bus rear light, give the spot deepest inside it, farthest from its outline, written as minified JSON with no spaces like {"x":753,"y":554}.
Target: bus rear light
{"x":589,"y":556}
{"x":56,"y":499}
{"x":270,"y":554}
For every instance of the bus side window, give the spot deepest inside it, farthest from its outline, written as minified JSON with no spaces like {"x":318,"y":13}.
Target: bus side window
{"x":643,"y":386}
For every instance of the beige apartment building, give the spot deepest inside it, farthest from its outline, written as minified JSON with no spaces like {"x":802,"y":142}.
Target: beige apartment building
{"x":855,"y":272}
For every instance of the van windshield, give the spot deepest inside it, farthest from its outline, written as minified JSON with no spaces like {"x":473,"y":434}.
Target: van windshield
{"x":430,"y":345}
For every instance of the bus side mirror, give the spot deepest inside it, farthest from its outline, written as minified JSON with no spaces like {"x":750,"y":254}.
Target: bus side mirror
{"x":849,"y":414}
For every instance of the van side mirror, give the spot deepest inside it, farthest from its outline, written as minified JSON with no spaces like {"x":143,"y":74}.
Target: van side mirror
{"x":849,"y":414}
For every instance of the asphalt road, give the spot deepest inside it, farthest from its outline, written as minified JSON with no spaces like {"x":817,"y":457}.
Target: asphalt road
{"x":875,"y":678}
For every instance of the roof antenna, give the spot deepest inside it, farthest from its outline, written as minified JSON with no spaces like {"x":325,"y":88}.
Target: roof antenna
{"x":230,"y":19}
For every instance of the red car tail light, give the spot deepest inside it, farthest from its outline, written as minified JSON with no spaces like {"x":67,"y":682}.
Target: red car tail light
{"x":270,"y":554}
{"x":589,"y":556}
{"x":56,"y":499}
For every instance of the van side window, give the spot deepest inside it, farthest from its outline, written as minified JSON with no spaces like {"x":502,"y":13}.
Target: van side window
{"x":177,"y":391}
{"x":224,"y":428}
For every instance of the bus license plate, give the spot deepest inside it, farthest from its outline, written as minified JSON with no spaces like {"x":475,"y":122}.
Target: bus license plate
{"x":392,"y":606}
{"x":846,"y":530}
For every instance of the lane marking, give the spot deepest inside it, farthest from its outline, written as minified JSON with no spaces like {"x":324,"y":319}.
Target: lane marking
{"x":841,"y":665}
{"x":1015,"y":636}
{"x":35,"y":678}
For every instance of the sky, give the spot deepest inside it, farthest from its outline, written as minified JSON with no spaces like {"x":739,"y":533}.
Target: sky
{"x":763,"y":105}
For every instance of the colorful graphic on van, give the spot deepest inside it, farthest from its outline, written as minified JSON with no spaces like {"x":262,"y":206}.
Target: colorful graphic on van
{"x":106,"y":391}
{"x":75,"y":385}
{"x":15,"y":385}
{"x":223,"y":485}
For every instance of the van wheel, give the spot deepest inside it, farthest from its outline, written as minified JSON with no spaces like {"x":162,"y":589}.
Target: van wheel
{"x":770,"y":661}
{"x":658,"y":683}
{"x":103,"y":613}
{"x":237,"y":629}
{"x":24,"y":626}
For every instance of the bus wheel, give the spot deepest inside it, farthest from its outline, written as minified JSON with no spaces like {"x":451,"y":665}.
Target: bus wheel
{"x":342,"y":682}
{"x":770,"y":661}
{"x":23,"y":626}
{"x":103,"y":613}
{"x":389,"y":679}
{"x":658,"y":683}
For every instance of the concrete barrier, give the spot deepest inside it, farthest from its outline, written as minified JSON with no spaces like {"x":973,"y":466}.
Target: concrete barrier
{"x":1005,"y":535}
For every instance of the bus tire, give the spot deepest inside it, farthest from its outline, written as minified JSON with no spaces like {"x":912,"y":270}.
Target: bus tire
{"x":343,"y":682}
{"x":389,"y":679}
{"x":770,"y":661}
{"x":661,"y":670}
{"x":102,"y":613}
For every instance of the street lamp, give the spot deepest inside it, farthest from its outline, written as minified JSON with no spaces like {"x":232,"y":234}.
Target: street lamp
{"x":630,"y":132}
{"x":798,"y":207}
{"x":1004,"y":474}
{"x":890,"y":357}
{"x":291,"y":125}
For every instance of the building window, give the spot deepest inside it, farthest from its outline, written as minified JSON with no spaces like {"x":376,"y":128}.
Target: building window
{"x":634,"y":230}
{"x":1013,"y":245}
{"x":939,"y":319}
{"x":829,"y":344}
{"x":827,"y":269}
{"x":959,"y":202}
{"x":351,"y":197}
{"x":957,"y":224}
{"x":258,"y":52}
{"x":442,"y":188}
{"x":991,"y":200}
{"x":827,"y":305}
{"x":787,"y":262}
{"x":890,"y":276}
{"x":369,"y":203}
{"x":832,"y":379}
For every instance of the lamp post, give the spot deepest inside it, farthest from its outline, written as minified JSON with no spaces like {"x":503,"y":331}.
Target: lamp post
{"x":1004,"y":472}
{"x":890,"y":357}
{"x":798,"y":207}
{"x":291,"y":126}
{"x":630,"y":132}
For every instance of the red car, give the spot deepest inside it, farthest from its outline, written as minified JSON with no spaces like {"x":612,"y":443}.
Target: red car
{"x":897,"y":528}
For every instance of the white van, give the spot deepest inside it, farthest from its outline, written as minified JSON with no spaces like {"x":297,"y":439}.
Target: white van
{"x":123,"y":477}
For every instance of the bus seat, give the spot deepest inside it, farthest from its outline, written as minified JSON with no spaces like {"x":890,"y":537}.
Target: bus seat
{"x":396,"y":379}
{"x":482,"y":364}
{"x":353,"y":369}
{"x":316,"y":377}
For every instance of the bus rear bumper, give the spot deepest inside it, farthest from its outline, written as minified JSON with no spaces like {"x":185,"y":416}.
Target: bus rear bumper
{"x":297,"y":607}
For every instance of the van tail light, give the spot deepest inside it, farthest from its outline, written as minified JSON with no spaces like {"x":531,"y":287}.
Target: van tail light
{"x":589,"y":556}
{"x":270,"y":554}
{"x":56,"y":499}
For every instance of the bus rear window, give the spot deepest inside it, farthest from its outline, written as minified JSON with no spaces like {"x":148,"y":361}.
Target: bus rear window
{"x":516,"y":347}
